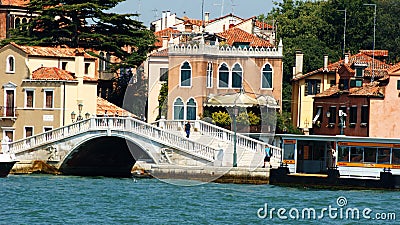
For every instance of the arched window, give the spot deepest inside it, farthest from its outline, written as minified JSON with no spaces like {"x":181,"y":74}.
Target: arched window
{"x":178,"y":109}
{"x":191,"y":109}
{"x":209,"y":74}
{"x":10,"y":68}
{"x":108,"y":62}
{"x":101,"y":62}
{"x":223,"y":76}
{"x":24,"y":22}
{"x":237,"y":73}
{"x":266,"y":77}
{"x":17,"y":22}
{"x":186,"y":74}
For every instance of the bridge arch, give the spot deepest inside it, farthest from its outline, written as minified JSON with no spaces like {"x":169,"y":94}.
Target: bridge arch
{"x":104,"y":155}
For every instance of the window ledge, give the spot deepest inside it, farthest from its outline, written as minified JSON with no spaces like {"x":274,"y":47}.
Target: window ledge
{"x":363,"y":124}
{"x":352,"y":125}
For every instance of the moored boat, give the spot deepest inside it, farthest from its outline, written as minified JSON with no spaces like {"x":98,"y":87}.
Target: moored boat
{"x":7,"y":162}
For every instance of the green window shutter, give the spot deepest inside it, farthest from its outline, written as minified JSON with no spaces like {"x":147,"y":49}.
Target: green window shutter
{"x":398,"y":84}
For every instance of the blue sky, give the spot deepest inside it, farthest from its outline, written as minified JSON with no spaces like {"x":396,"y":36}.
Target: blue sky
{"x":192,"y":8}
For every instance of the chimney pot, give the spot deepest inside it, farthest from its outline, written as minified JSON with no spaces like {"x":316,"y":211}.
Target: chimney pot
{"x":325,"y":62}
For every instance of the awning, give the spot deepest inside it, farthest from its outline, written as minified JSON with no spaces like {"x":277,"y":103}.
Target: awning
{"x":269,"y":101}
{"x":317,"y":115}
{"x":240,"y":99}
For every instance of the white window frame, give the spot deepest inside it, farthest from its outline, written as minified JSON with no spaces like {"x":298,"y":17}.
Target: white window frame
{"x":186,"y":108}
{"x":229,"y":76}
{"x":62,"y":65}
{"x":173,"y":108}
{"x":272,"y":77}
{"x":88,"y":67}
{"x":8,"y":69}
{"x":180,"y":75}
{"x":5,"y":129}
{"x":26,"y":99}
{"x":44,"y":98}
{"x":33,"y":131}
{"x":209,"y":75}
{"x":5,"y":99}
{"x":44,"y":128}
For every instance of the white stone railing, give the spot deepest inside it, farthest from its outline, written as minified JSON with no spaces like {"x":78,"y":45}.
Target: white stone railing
{"x":222,"y":134}
{"x":141,"y":128}
{"x":226,"y":51}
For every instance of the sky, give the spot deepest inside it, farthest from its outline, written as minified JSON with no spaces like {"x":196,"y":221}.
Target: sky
{"x":151,"y":10}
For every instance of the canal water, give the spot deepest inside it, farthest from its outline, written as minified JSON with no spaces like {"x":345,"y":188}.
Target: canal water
{"x":45,"y":199}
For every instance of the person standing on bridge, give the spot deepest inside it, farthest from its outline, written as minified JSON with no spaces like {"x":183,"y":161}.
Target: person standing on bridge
{"x":267,"y":158}
{"x":187,"y":129}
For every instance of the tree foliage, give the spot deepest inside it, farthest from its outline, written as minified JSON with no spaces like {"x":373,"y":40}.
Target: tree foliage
{"x":88,"y":25}
{"x":317,"y":28}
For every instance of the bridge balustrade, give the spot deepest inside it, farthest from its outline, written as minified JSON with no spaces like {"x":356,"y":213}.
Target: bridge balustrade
{"x":138,"y":127}
{"x":222,"y":134}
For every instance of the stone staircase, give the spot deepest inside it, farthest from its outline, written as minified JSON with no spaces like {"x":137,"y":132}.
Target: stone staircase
{"x":250,"y":152}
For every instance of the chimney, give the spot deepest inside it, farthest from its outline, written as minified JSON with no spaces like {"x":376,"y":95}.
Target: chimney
{"x":299,"y":63}
{"x":162,"y":20}
{"x":167,"y":15}
{"x":325,"y":62}
{"x":253,"y":24}
{"x":206,"y":18}
{"x":346,"y":58}
{"x":164,"y":42}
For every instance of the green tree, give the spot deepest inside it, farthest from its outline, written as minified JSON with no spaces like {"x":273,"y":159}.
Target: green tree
{"x":91,"y":26}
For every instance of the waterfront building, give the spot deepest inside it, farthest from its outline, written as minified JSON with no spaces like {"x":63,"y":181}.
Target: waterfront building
{"x":361,"y":103}
{"x":241,"y":47}
{"x":325,"y":79}
{"x":199,"y":72}
{"x":44,"y":87}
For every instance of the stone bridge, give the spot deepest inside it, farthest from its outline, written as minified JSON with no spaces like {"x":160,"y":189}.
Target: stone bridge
{"x":110,"y":146}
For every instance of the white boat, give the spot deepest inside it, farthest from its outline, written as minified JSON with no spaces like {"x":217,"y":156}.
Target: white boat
{"x":7,"y":162}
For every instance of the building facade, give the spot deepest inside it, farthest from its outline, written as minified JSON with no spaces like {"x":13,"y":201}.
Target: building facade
{"x":43,"y":87}
{"x":197,"y":73}
{"x":355,"y":105}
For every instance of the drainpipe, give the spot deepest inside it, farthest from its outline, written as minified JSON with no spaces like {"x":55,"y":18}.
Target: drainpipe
{"x":63,"y":121}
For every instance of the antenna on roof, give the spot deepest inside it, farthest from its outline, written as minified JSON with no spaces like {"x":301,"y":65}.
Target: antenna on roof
{"x":222,"y":7}
{"x":344,"y":30}
{"x":232,"y":6}
{"x":139,"y":8}
{"x":155,"y":11}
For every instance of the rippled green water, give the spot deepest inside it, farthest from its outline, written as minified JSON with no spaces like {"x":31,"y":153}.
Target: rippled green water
{"x":42,"y":199}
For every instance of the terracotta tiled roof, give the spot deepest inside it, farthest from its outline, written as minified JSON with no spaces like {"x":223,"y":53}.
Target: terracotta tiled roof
{"x":377,"y":53}
{"x":14,"y":2}
{"x":90,"y":79}
{"x":52,"y":51}
{"x":235,"y":35}
{"x":263,"y":25}
{"x":379,"y":71}
{"x":52,"y":73}
{"x":394,"y":68}
{"x":112,"y":110}
{"x":164,"y":33}
{"x":368,"y":89}
{"x":163,"y":52}
{"x":193,"y":21}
